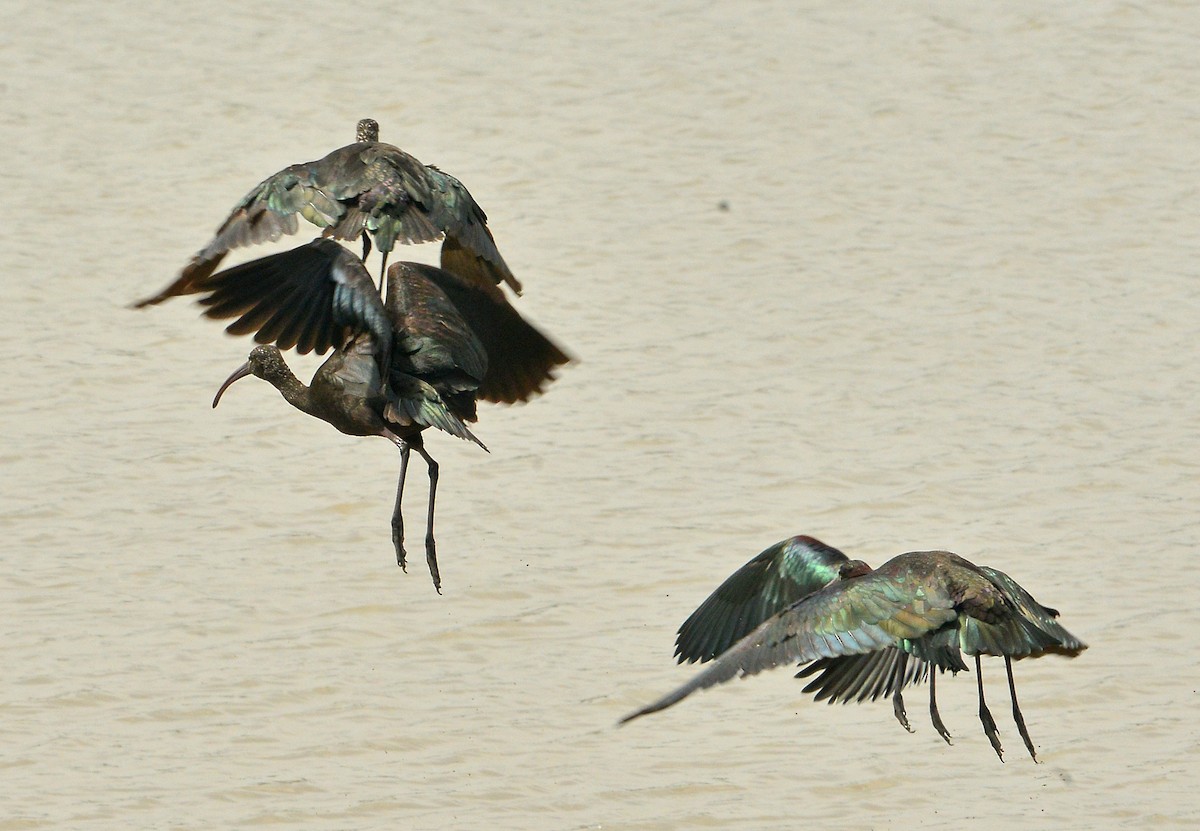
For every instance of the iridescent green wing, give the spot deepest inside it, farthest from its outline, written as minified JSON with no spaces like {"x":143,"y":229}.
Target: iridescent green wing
{"x":269,"y":210}
{"x":469,"y":249}
{"x":848,"y":617}
{"x":411,"y":401}
{"x":771,"y":581}
{"x":265,"y":214}
{"x":1028,"y":628}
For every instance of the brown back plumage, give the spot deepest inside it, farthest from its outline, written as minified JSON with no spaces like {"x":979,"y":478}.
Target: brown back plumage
{"x":367,"y":187}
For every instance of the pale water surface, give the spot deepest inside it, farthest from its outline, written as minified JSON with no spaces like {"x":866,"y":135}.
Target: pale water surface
{"x":953,"y":303}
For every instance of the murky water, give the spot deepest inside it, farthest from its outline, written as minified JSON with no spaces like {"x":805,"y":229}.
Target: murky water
{"x":952,"y":303}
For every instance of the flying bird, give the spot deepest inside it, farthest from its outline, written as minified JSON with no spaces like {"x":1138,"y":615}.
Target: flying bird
{"x":862,"y":626}
{"x":419,"y":359}
{"x":780,"y":575}
{"x":367,"y":189}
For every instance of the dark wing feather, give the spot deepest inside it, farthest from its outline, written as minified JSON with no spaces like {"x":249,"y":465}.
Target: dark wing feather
{"x":265,"y":214}
{"x":412,"y":401}
{"x":771,"y":581}
{"x":847,"y":617}
{"x":1042,"y":617}
{"x":433,"y":340}
{"x":385,"y":191}
{"x":861,"y":677}
{"x":312,"y":297}
{"x":469,"y":244}
{"x":510,"y":359}
{"x":1012,"y":635}
{"x":255,"y":300}
{"x":362,"y":187}
{"x":873,"y":675}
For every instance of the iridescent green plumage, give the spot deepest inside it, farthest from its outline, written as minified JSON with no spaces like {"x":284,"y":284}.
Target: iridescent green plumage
{"x":368,"y":187}
{"x":931,"y":605}
{"x":775,"y":578}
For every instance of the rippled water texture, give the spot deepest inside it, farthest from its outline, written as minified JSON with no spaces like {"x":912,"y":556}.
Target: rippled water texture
{"x":952,"y":302}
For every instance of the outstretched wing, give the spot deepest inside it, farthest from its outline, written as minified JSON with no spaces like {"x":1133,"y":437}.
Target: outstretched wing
{"x":367,"y":186}
{"x":871,"y":675}
{"x":311,"y":298}
{"x":265,"y":214}
{"x":392,"y":195}
{"x":1042,"y":617}
{"x":772,"y":580}
{"x":470,"y":249}
{"x":848,"y":617}
{"x":472,"y":327}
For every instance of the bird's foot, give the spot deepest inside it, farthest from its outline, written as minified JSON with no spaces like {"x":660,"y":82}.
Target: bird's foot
{"x":401,"y":554}
{"x":989,"y":729}
{"x":901,"y":713}
{"x":936,"y":718}
{"x":1024,"y":733}
{"x":431,"y":559}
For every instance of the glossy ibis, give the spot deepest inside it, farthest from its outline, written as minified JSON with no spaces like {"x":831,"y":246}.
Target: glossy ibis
{"x":931,"y":605}
{"x":418,"y":360}
{"x":368,"y":187}
{"x":780,"y":575}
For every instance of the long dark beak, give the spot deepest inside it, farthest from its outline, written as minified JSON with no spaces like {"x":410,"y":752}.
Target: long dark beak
{"x":239,"y":373}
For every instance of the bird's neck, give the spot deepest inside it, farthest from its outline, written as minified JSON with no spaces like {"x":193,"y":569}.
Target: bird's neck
{"x":292,"y":388}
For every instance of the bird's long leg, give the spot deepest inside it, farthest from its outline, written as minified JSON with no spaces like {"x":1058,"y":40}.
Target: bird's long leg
{"x":897,"y":697}
{"x":1012,"y":691}
{"x":934,"y":715}
{"x":366,"y":241}
{"x":382,"y":270}
{"x":397,"y":516}
{"x":430,"y":545}
{"x":985,"y":715}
